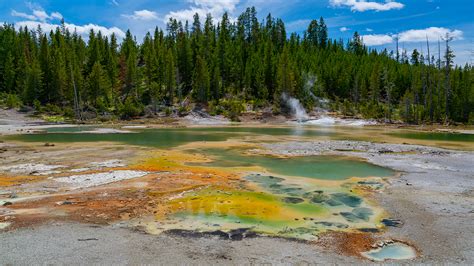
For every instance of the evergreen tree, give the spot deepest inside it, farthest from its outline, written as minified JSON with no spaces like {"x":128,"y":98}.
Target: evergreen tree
{"x":8,"y":84}
{"x":322,"y":33}
{"x":33,"y":85}
{"x":99,"y":87}
{"x":201,"y":81}
{"x":170,"y":77}
{"x":184,"y":58}
{"x":415,"y":57}
{"x":247,"y":59}
{"x":129,"y":65}
{"x":286,"y":83}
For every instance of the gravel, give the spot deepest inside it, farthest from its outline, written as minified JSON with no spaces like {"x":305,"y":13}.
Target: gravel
{"x":73,"y":244}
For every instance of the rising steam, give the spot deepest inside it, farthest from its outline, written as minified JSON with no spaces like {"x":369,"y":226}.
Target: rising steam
{"x":295,"y":106}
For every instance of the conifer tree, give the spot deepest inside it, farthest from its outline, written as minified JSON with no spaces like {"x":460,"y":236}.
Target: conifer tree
{"x":286,"y":82}
{"x":170,"y":77}
{"x":322,"y":33}
{"x":8,"y":83}
{"x":99,"y":86}
{"x":33,"y":84}
{"x":247,"y":59}
{"x":201,"y":81}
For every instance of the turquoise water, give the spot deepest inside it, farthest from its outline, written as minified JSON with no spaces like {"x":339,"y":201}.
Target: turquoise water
{"x":171,"y":137}
{"x":287,"y":203}
{"x":160,"y":138}
{"x":396,"y":251}
{"x":319,"y":167}
{"x":164,"y":137}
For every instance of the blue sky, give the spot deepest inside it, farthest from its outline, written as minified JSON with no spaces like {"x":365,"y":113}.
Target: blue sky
{"x":379,"y":21}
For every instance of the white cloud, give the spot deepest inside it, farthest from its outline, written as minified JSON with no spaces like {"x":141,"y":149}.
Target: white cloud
{"x":344,"y":29}
{"x":115,"y":2}
{"x":411,"y":36}
{"x":41,"y":15}
{"x":82,"y":30}
{"x":377,"y":39}
{"x":432,"y":33}
{"x":15,"y":13}
{"x":37,"y":14}
{"x":369,"y":30}
{"x":143,"y":15}
{"x":56,"y":15}
{"x":363,"y":5}
{"x":224,"y":4}
{"x":203,"y":7}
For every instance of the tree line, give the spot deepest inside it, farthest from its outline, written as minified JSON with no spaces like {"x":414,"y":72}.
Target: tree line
{"x":224,"y":65}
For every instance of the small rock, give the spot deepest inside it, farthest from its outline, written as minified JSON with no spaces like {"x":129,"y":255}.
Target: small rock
{"x":88,"y":239}
{"x":392,"y":222}
{"x":66,"y":203}
{"x":383,"y":151}
{"x":7,"y":203}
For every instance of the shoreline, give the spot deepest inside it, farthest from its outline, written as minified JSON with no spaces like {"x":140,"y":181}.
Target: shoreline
{"x":14,"y":122}
{"x":436,"y":213}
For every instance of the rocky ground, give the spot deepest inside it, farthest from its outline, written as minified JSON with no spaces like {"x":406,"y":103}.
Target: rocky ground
{"x":14,"y":122}
{"x":433,"y":197}
{"x":82,"y":244}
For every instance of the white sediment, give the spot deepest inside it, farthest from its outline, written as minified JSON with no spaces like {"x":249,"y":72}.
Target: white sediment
{"x":211,"y":120}
{"x":31,"y":168}
{"x":134,"y":127}
{"x":107,"y":131}
{"x":4,"y":225}
{"x":107,"y":164}
{"x":97,"y":179}
{"x":78,"y":170}
{"x":326,"y":120}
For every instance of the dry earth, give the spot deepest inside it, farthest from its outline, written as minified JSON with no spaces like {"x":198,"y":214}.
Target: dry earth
{"x":54,"y":223}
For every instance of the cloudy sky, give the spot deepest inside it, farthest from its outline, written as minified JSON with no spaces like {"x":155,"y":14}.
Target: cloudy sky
{"x":379,"y":21}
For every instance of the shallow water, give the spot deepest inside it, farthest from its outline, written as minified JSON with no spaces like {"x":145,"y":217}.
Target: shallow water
{"x":278,"y":196}
{"x":164,"y":137}
{"x":159,"y":138}
{"x":297,"y":197}
{"x":288,"y":196}
{"x":172,"y":137}
{"x":319,"y":167}
{"x":288,"y":207}
{"x":395,"y":251}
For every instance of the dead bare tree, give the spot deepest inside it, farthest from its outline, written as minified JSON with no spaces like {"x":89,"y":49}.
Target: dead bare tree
{"x":428,"y":80}
{"x":423,"y":78}
{"x":448,"y":57}
{"x":77,"y":109}
{"x":397,"y":38}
